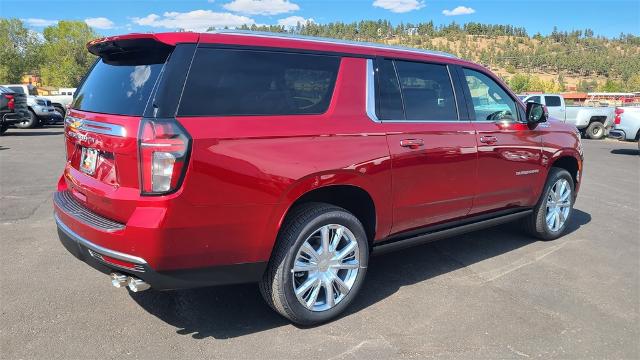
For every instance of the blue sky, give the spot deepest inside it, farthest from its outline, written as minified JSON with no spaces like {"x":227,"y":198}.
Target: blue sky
{"x":108,"y":17}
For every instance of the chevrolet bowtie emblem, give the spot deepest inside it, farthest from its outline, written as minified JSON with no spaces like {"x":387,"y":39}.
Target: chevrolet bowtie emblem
{"x":76,"y":124}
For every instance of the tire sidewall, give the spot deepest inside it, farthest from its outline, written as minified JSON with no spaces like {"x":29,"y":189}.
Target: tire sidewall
{"x":556,"y":175}
{"x":31,"y":123}
{"x":331,"y":217}
{"x":592,"y":127}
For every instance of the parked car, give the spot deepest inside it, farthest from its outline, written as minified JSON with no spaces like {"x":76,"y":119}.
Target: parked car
{"x":627,"y":124}
{"x":293,"y":160}
{"x":41,"y":110}
{"x":13,"y":108}
{"x":62,"y":99}
{"x":593,"y":122}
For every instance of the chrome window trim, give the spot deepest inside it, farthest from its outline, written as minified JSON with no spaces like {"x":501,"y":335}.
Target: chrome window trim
{"x":96,"y":126}
{"x":322,"y":40}
{"x":371,"y":101}
{"x":453,"y":89}
{"x":371,"y":92}
{"x":97,"y":248}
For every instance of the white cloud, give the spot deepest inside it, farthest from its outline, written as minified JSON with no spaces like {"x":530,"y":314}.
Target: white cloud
{"x":399,"y":6}
{"x":40,"y":22}
{"x":99,"y":23}
{"x":293,"y":21}
{"x":197,"y":20}
{"x":261,"y":7}
{"x":460,"y":10}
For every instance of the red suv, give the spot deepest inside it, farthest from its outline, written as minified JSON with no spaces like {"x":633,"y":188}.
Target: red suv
{"x":205,"y":159}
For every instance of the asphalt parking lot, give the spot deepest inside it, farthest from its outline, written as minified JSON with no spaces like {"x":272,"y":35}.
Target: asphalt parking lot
{"x":489,"y":294}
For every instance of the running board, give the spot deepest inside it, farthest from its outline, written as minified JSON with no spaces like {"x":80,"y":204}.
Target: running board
{"x":429,"y":236}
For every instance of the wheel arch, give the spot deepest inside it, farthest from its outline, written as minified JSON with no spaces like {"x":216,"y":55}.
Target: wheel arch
{"x":352,"y":198}
{"x":569,"y":161}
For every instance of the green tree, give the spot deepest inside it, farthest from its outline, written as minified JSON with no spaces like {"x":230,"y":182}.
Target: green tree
{"x":19,"y":50}
{"x":65,"y":55}
{"x":611,"y":86}
{"x":633,"y":84}
{"x":562,"y":86}
{"x":519,"y":83}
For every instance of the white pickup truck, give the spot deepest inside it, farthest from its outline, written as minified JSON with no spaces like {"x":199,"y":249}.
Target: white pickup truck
{"x":627,"y":124}
{"x":593,"y":122}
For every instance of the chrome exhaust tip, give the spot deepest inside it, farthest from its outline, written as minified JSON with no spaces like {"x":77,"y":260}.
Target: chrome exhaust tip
{"x":136,"y":285}
{"x":119,"y":280}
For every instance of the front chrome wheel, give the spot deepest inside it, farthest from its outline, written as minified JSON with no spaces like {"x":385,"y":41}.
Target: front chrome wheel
{"x":325,"y":267}
{"x":558,"y":205}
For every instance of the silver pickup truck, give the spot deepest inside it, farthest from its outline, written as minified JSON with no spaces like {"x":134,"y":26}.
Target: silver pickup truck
{"x":41,"y":110}
{"x":593,"y":122}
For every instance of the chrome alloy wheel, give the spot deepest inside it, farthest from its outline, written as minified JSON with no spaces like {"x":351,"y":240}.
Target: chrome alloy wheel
{"x":558,"y":204}
{"x":325,"y":267}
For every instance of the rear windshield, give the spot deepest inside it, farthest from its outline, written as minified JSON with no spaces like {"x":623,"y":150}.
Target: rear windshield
{"x":250,"y":82}
{"x":17,"y":89}
{"x":117,"y":89}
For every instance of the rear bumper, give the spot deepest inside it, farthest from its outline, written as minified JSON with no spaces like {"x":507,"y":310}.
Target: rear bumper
{"x":617,"y":134}
{"x":52,"y":117}
{"x":10,"y":118}
{"x":108,"y":260}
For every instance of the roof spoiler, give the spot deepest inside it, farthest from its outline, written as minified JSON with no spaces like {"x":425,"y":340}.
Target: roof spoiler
{"x":151,"y":46}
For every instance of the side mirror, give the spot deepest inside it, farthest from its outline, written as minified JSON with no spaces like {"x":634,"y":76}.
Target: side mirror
{"x":536,"y":113}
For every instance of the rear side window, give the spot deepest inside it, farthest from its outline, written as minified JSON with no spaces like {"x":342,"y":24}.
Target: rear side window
{"x":389,"y":99}
{"x":247,"y":82}
{"x":552,"y":101}
{"x":427,"y":92}
{"x":117,"y":88}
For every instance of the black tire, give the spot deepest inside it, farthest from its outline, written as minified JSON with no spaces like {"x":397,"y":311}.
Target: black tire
{"x":277,"y":283}
{"x":30,"y":122}
{"x":3,"y":128}
{"x":536,"y":224}
{"x":595,"y":130}
{"x":60,"y":109}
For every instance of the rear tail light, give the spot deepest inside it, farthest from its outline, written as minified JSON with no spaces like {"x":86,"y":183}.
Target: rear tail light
{"x":164,"y":151}
{"x":11,"y":104}
{"x":617,"y":119}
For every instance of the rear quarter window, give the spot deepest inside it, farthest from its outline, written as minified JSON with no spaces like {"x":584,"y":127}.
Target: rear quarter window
{"x":224,"y":82}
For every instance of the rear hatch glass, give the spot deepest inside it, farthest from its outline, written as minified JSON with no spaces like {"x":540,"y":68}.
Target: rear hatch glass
{"x":117,"y":89}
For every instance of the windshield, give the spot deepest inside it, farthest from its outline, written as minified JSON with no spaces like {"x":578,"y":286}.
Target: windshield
{"x":117,"y":89}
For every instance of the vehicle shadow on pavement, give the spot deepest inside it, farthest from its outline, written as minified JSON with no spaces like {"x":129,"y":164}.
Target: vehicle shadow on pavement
{"x":232,"y":311}
{"x":625,"y":151}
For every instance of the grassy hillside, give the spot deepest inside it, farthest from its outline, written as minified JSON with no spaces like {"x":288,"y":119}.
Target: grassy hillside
{"x":560,"y":61}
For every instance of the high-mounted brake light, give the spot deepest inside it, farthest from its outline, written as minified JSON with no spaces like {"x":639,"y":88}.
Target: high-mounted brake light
{"x":164,"y":151}
{"x":618,"y":118}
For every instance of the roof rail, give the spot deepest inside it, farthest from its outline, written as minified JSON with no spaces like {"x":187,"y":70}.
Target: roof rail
{"x":324,"y":40}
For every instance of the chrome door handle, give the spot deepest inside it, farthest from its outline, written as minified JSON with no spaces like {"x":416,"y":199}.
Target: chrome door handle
{"x":412,"y":143}
{"x":488,"y":139}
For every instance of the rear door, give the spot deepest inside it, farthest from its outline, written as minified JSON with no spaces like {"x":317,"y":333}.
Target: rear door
{"x":101,"y":128}
{"x":510,"y":168}
{"x":433,"y":151}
